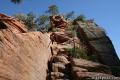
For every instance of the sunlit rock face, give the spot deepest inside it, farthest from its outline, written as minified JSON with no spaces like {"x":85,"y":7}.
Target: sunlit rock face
{"x":23,"y":55}
{"x":28,"y":55}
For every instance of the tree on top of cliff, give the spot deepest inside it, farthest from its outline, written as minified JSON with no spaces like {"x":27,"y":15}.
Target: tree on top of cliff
{"x":53,"y":10}
{"x":42,"y":22}
{"x":80,"y":18}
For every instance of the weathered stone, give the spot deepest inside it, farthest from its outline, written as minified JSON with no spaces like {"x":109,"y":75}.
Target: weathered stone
{"x":23,"y":55}
{"x":61,"y":59}
{"x":93,"y":75}
{"x":57,"y":75}
{"x":95,"y":38}
{"x":59,"y":38}
{"x":58,"y":21}
{"x":58,"y":67}
{"x":91,"y":66}
{"x":78,"y":69}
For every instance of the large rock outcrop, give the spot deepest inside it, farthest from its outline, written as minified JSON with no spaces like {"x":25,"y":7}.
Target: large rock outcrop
{"x":80,"y":52}
{"x":23,"y":55}
{"x":84,"y":40}
{"x":99,"y":44}
{"x":96,"y":37}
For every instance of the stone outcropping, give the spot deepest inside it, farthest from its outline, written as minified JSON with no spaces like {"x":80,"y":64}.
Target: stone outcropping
{"x":97,"y":38}
{"x":23,"y":55}
{"x":86,"y":70}
{"x":97,"y":46}
{"x":44,"y":56}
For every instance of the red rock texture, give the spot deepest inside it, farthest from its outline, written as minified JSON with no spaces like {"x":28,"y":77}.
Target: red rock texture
{"x":23,"y":55}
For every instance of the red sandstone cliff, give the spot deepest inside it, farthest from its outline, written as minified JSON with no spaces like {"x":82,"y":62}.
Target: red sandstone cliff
{"x":27,"y":55}
{"x":23,"y":55}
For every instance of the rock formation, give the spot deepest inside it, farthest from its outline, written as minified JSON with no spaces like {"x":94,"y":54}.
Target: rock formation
{"x":96,"y":37}
{"x":74,"y":52}
{"x":99,"y":59}
{"x":23,"y":55}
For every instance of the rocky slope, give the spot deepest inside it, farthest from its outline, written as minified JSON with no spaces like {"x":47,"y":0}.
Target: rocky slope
{"x":59,"y":55}
{"x":82,"y":40}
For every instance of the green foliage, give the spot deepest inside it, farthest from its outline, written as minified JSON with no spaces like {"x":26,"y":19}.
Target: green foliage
{"x":16,"y":1}
{"x":77,"y":53}
{"x":80,"y":18}
{"x":71,"y":31}
{"x":43,"y":22}
{"x":34,"y":23}
{"x":52,"y":10}
{"x":20,"y":17}
{"x":29,"y":20}
{"x":70,"y":15}
{"x":43,"y":19}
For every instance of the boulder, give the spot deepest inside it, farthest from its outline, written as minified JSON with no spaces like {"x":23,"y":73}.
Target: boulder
{"x":23,"y":55}
{"x":59,"y":38}
{"x":58,"y":21}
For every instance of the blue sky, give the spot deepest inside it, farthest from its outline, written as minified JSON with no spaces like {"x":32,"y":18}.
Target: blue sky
{"x":106,"y":13}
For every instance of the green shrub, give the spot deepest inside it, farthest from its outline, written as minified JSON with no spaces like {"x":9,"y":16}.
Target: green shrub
{"x":71,"y":31}
{"x":77,"y":53}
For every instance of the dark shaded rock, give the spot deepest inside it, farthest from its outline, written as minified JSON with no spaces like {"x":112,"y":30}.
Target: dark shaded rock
{"x":91,"y":66}
{"x":99,"y":43}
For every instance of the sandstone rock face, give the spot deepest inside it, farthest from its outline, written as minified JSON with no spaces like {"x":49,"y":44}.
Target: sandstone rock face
{"x":36,"y":56}
{"x":87,"y":70}
{"x":91,"y":66}
{"x":23,"y":55}
{"x":96,"y":37}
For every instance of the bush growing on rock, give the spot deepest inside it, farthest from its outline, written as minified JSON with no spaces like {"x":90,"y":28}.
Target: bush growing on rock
{"x":77,"y":53}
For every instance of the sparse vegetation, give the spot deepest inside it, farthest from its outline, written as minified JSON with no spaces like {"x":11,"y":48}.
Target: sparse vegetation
{"x":80,"y":18}
{"x":76,"y":52}
{"x":42,"y":22}
{"x":29,"y":20}
{"x":53,"y":10}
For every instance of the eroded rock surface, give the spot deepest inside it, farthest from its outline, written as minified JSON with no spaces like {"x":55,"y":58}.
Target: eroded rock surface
{"x":36,"y":56}
{"x":23,"y":55}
